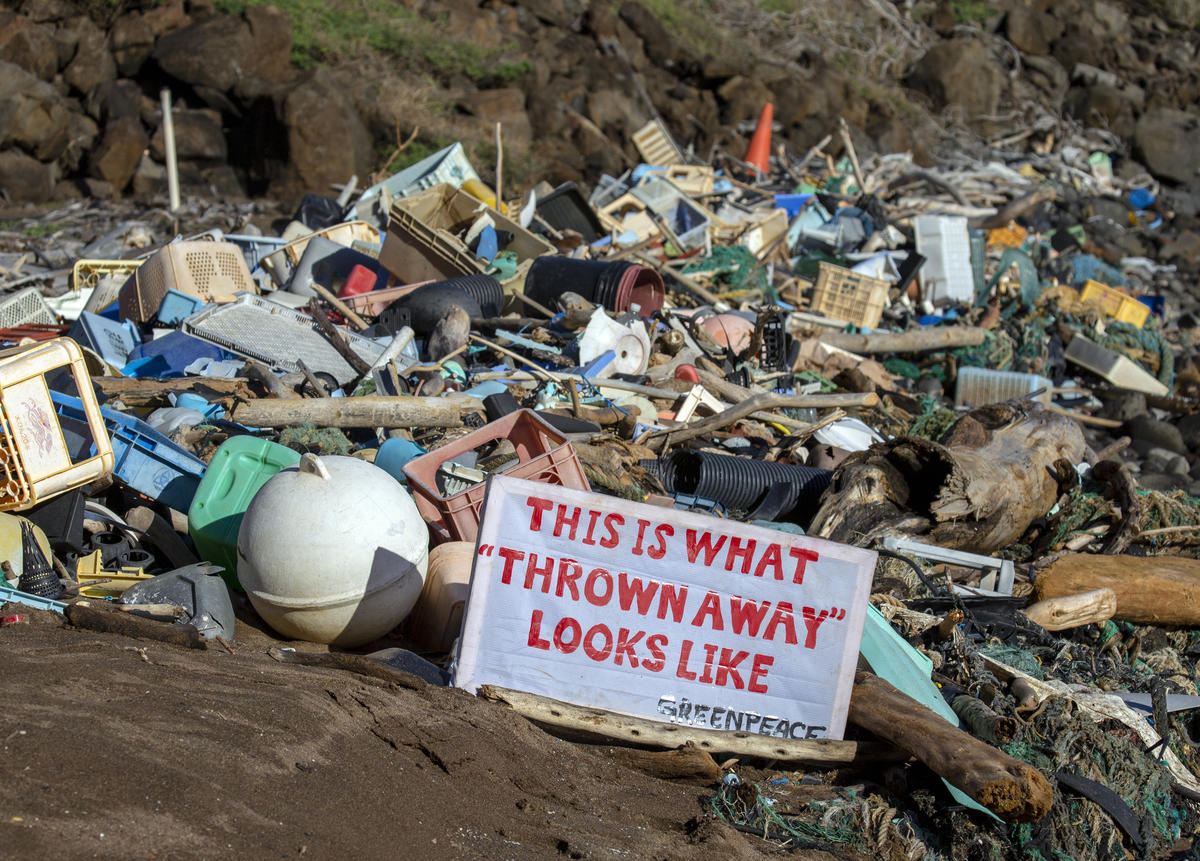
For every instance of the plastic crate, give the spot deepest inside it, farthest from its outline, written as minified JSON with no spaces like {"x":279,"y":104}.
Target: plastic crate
{"x":279,"y":264}
{"x":449,"y":212}
{"x":846,"y":295}
{"x":693,"y":179}
{"x":413,"y":252}
{"x":25,"y":306}
{"x":280,"y":336}
{"x":145,"y":460}
{"x":607,"y":189}
{"x":255,"y":248}
{"x":977,"y":387}
{"x":449,"y":165}
{"x":36,"y":459}
{"x":213,"y":271}
{"x":1120,"y":306}
{"x":947,"y":277}
{"x":655,"y":144}
{"x":88,"y":273}
{"x":375,"y":301}
{"x":543,"y":454}
{"x":687,"y":219}
{"x":1012,"y":236}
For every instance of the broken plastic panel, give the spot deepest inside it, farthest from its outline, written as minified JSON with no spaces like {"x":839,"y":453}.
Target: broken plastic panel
{"x":1113,"y":367}
{"x":198,"y":589}
{"x":998,"y":582}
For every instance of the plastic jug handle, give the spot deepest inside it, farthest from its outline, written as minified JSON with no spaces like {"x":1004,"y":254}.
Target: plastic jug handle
{"x":311,"y":464}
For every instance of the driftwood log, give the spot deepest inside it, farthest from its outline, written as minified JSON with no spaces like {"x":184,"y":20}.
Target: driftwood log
{"x":686,"y":763}
{"x":599,"y":725}
{"x":913,"y":341}
{"x":113,"y":622}
{"x":1073,"y":611}
{"x":1150,"y":590}
{"x":370,"y":411}
{"x":994,"y":472}
{"x":135,"y":392}
{"x":1013,"y":790}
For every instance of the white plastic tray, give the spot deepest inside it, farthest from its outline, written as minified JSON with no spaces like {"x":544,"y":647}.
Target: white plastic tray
{"x":277,"y":335}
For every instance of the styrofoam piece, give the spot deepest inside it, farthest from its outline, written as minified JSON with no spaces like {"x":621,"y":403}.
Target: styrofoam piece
{"x":280,"y":336}
{"x":449,"y":165}
{"x":1113,"y":367}
{"x":947,"y":277}
{"x":977,"y":387}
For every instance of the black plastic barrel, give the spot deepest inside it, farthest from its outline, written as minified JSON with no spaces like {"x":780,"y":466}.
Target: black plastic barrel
{"x":612,"y":284}
{"x":484,"y":289}
{"x":425,"y":306}
{"x":742,"y":482}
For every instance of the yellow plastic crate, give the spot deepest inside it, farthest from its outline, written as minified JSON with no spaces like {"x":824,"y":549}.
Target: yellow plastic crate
{"x":36,"y":462}
{"x":1120,"y":306}
{"x":1011,"y":236}
{"x":87,"y":273}
{"x":846,"y":295}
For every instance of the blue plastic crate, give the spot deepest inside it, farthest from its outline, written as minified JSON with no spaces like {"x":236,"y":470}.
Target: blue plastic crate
{"x":146,"y":460}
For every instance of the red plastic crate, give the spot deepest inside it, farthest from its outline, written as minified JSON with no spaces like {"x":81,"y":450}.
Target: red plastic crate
{"x":544,"y":455}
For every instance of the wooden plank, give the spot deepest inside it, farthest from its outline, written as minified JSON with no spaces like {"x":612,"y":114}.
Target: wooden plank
{"x":640,"y":731}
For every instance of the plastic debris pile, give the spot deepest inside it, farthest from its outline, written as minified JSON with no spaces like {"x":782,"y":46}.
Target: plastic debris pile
{"x":981,"y":370}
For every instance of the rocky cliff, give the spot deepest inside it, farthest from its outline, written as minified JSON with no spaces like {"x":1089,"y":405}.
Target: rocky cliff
{"x":276,"y":101}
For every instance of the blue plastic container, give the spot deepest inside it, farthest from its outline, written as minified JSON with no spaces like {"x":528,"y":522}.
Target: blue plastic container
{"x":110,"y":340}
{"x":394,"y":453}
{"x":175,"y":306}
{"x":177,"y":350}
{"x":792,"y":203}
{"x":146,"y":460}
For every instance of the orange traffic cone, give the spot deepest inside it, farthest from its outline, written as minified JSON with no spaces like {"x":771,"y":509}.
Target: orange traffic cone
{"x":758,"y":153}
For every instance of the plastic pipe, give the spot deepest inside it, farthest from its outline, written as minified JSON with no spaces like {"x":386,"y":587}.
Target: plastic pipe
{"x":169,"y":147}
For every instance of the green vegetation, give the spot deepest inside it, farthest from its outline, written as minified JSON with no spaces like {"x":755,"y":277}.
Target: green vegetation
{"x":41,"y":231}
{"x":324,"y":32}
{"x":971,"y":11}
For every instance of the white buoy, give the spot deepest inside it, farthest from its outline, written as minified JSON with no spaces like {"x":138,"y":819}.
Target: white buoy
{"x":333,"y":551}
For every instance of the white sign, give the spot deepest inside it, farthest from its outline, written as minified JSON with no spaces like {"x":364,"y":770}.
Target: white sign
{"x":664,"y":614}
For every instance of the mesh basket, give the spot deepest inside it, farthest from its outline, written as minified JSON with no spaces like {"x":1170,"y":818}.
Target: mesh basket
{"x":212,"y":271}
{"x":23,"y":307}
